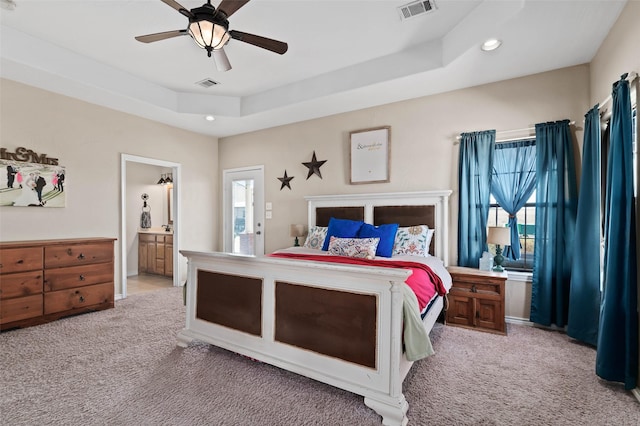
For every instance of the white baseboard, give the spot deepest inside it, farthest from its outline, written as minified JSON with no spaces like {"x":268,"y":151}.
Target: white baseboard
{"x":636,"y":393}
{"x":519,"y":321}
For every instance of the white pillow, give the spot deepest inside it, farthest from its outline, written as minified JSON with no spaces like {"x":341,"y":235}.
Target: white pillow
{"x":413,"y":240}
{"x":315,"y":238}
{"x":364,"y":248}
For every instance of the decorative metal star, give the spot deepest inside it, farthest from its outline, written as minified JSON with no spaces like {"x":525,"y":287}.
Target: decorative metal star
{"x":285,"y":181}
{"x":314,"y":166}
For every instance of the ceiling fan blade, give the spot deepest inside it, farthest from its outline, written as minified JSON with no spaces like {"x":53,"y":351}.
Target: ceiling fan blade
{"x":150,"y":38}
{"x":229,"y":7}
{"x":266,"y":43}
{"x":221,"y":60}
{"x":177,"y":6}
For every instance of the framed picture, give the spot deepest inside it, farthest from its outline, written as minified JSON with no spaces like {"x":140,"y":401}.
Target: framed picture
{"x":369,"y":152}
{"x":32,"y":184}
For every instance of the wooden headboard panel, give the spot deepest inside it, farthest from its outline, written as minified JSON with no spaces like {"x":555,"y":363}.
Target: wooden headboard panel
{"x":408,"y":216}
{"x":323,"y":214}
{"x":406,"y":208}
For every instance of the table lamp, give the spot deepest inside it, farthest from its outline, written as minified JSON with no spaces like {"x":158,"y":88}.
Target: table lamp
{"x":500,"y":236}
{"x":297,"y":231}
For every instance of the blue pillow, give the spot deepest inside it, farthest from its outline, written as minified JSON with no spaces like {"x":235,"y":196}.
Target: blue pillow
{"x":386,"y":233}
{"x":341,"y":228}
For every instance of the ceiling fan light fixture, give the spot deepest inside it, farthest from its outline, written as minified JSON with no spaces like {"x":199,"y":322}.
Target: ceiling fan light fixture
{"x":208,"y":35}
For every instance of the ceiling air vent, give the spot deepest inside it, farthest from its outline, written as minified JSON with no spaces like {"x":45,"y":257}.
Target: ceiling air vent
{"x":416,"y":8}
{"x":207,"y":82}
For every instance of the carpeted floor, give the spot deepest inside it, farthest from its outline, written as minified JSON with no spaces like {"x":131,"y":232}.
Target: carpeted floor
{"x":122,"y":367}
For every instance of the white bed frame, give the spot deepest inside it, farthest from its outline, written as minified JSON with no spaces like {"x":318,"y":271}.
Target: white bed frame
{"x":380,"y":386}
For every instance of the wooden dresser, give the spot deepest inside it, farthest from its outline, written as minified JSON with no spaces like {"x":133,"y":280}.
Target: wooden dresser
{"x":476,"y":299}
{"x":155,"y":253}
{"x":41,"y":281}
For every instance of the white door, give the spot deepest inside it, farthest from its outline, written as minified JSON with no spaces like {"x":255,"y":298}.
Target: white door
{"x":243,"y":216}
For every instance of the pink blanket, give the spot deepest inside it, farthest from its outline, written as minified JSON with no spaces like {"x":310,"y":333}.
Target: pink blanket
{"x":423,"y":281}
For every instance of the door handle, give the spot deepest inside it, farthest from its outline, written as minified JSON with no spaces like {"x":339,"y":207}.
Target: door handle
{"x":258,"y":232}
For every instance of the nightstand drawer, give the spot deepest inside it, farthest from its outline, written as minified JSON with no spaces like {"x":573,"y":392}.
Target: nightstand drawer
{"x":482,"y":288}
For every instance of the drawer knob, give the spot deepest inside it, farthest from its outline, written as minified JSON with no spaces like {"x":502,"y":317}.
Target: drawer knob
{"x":81,"y":277}
{"x":473,"y":289}
{"x":81,"y":298}
{"x":20,"y":262}
{"x":81,"y":256}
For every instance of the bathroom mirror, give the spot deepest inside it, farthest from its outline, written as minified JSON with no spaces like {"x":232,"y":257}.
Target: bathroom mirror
{"x":170,"y":204}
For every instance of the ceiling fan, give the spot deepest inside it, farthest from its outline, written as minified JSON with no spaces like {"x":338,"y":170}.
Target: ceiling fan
{"x":209,"y":28}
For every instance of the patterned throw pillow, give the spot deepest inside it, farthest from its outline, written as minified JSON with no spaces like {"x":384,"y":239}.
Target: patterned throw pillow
{"x":354,"y":247}
{"x":413,"y":240}
{"x":315,"y":238}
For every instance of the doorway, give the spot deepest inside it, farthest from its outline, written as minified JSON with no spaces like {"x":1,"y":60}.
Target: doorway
{"x":243,"y":210}
{"x":173,"y":212}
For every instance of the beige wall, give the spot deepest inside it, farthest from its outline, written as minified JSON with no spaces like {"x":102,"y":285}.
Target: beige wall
{"x":423,"y":155}
{"x":89,"y":141}
{"x":618,"y":54}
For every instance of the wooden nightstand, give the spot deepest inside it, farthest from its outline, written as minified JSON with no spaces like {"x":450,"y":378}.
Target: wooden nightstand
{"x":476,"y":299}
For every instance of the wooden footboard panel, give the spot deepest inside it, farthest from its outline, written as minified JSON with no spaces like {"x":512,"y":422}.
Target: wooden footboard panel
{"x":329,"y":322}
{"x":231,"y":301}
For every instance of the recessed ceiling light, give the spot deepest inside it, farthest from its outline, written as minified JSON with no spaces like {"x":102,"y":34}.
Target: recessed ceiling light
{"x":491,"y":44}
{"x":209,"y":117}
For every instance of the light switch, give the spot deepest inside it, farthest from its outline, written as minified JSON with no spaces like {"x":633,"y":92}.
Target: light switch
{"x":268,"y":214}
{"x":268,"y":206}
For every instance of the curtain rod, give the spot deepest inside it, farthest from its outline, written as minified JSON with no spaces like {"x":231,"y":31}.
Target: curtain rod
{"x":631,"y":77}
{"x":526,"y":129}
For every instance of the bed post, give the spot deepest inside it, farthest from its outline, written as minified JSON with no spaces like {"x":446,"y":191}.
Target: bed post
{"x":393,"y":408}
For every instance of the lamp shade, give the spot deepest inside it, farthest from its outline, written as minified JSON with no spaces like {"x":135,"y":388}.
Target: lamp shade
{"x":297,"y":231}
{"x":208,"y":35}
{"x":499,"y":235}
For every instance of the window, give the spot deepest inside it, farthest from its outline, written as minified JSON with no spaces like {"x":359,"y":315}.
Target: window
{"x":526,"y":229}
{"x":513,"y":174}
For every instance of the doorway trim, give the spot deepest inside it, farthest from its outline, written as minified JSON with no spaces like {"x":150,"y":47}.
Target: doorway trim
{"x":177,"y":181}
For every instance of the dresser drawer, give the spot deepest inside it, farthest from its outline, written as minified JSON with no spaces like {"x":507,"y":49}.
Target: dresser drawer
{"x":77,"y":254}
{"x":20,"y":259}
{"x":77,"y":276}
{"x":78,"y":298}
{"x":22,"y":284}
{"x":20,"y":308}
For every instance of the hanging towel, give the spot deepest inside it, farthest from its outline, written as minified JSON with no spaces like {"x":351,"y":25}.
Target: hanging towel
{"x":145,"y":219}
